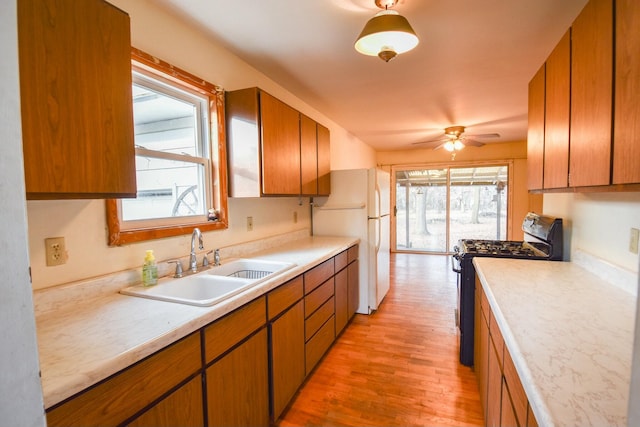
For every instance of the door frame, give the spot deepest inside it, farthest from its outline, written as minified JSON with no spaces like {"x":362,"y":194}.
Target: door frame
{"x":449,"y":165}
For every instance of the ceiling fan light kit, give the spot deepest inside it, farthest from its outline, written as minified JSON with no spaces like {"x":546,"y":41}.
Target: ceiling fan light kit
{"x":387,"y":34}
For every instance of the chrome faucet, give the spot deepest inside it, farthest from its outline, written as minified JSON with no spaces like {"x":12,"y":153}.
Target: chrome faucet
{"x":193,"y":262}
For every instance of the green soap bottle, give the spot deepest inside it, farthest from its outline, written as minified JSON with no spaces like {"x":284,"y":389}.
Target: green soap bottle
{"x":149,"y":270}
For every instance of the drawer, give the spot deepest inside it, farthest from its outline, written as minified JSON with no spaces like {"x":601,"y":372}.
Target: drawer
{"x":352,"y":253}
{"x":319,"y":344}
{"x":223,"y":334}
{"x":318,"y":275}
{"x":496,"y":338}
{"x":112,"y":401}
{"x":284,"y":296}
{"x":318,"y":297}
{"x":341,"y":261}
{"x":317,"y":319}
{"x":484,"y":302}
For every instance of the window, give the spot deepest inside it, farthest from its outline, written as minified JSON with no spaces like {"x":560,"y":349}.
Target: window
{"x":435,"y":207}
{"x":180,"y":156}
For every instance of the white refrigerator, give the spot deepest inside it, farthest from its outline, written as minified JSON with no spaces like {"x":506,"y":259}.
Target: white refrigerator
{"x":359,"y":206}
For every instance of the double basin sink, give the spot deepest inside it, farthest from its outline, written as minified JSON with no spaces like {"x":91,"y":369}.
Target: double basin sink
{"x":214,"y":285}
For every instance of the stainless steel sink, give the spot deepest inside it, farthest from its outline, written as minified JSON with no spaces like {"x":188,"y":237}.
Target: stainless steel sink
{"x":211,"y":286}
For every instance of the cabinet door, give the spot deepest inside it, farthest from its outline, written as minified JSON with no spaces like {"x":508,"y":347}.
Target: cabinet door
{"x":353,"y":299}
{"x":324,"y":161}
{"x":626,"y":146}
{"x":287,"y":355}
{"x":183,"y":407}
{"x":591,"y":95}
{"x":237,"y":385}
{"x":481,"y":359}
{"x":507,"y":413}
{"x":308,"y":155}
{"x":280,"y":147}
{"x":556,"y":125}
{"x":342,"y":298}
{"x":535,"y":133}
{"x":75,"y":88}
{"x":494,"y":388}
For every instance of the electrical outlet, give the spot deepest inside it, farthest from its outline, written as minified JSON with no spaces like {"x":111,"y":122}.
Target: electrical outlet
{"x":55,"y":250}
{"x":633,"y":240}
{"x":249,"y":223}
{"x":295,"y":217}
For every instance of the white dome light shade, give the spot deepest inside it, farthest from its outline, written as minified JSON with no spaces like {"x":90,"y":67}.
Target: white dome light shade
{"x":386,"y":34}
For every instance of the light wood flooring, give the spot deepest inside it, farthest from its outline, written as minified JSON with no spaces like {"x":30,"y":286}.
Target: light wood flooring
{"x":398,"y":366}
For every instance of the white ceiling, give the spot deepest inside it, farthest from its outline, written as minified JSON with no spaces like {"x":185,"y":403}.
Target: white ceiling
{"x":471,"y":67}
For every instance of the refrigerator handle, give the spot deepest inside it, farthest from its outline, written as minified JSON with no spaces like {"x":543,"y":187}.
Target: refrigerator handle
{"x":379,"y":236}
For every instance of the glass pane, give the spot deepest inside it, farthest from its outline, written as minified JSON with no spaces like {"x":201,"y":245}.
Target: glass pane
{"x":478,"y":203}
{"x":421,"y":210}
{"x":165,"y":123}
{"x":166,"y":188}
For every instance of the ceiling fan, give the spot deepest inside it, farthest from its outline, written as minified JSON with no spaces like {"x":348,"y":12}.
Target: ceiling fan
{"x":454,"y":140}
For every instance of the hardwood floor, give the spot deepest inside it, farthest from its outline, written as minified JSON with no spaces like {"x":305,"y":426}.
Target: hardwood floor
{"x":398,"y":366}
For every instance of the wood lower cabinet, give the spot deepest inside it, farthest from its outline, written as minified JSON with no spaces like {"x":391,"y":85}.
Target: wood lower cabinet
{"x":287,"y":344}
{"x":502,"y":395}
{"x":183,"y":407}
{"x":238,"y":385}
{"x":135,"y":389}
{"x":237,"y":374}
{"x":353,"y":269}
{"x":76,"y":103}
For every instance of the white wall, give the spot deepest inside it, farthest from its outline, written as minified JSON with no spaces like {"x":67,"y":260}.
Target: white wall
{"x":21,"y":403}
{"x":598,"y":223}
{"x":83,"y":222}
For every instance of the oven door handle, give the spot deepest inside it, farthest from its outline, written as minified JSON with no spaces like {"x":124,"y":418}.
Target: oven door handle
{"x":456,"y":257}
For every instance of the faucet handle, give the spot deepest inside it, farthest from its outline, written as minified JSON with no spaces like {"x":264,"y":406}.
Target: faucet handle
{"x":178,"y":264}
{"x":216,"y":257}
{"x":205,"y":259}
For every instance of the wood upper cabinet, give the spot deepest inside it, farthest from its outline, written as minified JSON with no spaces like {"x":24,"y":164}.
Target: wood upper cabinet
{"x":535,"y":134}
{"x":591,"y":95}
{"x":324,"y":160}
{"x":273,"y":150}
{"x":75,"y":88}
{"x":556,"y":118}
{"x":308,"y":155}
{"x":626,"y":132}
{"x":280,"y":126}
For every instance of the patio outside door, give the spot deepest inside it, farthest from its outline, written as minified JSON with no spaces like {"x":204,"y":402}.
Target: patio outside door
{"x":435,"y":207}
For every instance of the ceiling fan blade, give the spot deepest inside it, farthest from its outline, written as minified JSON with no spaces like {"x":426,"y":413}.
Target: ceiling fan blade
{"x":431,"y":141}
{"x":485,"y":135}
{"x":472,"y":142}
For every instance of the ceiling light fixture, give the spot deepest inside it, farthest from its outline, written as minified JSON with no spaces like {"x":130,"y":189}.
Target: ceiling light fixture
{"x":387,"y":34}
{"x":453,"y":145}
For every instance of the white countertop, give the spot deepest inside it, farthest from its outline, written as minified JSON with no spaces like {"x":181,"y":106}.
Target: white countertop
{"x":88,"y":339}
{"x":570,"y":335}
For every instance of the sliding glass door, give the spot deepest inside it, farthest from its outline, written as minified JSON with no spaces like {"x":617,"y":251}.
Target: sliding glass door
{"x":435,"y":207}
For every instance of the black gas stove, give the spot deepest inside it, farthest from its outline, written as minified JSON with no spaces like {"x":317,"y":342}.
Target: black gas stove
{"x":543,"y":240}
